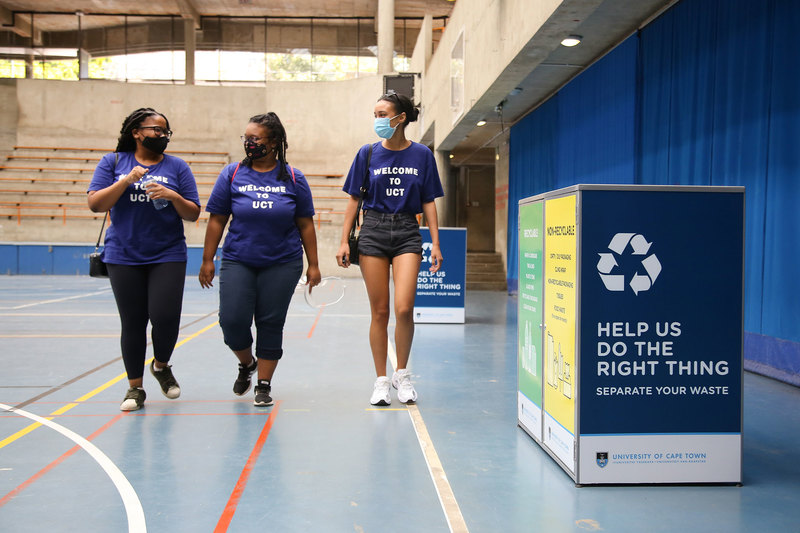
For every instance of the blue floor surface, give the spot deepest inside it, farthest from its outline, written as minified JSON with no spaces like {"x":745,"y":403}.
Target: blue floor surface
{"x":322,"y":459}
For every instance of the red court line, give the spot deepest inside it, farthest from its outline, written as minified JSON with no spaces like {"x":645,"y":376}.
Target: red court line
{"x":46,"y":469}
{"x":316,"y":320}
{"x":233,"y":501}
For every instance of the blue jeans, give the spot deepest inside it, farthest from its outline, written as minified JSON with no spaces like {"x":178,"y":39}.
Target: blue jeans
{"x":260,"y":294}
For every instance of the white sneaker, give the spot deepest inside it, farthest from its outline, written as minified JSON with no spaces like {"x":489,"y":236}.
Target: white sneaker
{"x":380,"y":394}
{"x":401,"y":380}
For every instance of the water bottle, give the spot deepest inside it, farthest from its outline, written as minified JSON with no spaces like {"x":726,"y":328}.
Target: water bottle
{"x":158,"y":203}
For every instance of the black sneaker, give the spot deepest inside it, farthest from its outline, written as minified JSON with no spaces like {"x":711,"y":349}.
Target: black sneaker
{"x":167,"y":381}
{"x":263,"y":399}
{"x":242,"y":383}
{"x":134,"y":400}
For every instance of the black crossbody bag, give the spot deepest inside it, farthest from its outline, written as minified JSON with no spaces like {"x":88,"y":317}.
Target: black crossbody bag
{"x":352,"y":241}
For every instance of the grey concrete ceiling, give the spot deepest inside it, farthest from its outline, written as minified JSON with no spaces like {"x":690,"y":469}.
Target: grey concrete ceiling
{"x":539,"y":70}
{"x":543,"y":67}
{"x":213,"y":8}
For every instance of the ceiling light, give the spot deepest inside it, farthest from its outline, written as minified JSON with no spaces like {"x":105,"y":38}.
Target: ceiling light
{"x":481,"y":123}
{"x":572,"y":40}
{"x":451,"y":156}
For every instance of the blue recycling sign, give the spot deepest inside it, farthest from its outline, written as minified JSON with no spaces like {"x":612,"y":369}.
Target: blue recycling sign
{"x":660,"y":326}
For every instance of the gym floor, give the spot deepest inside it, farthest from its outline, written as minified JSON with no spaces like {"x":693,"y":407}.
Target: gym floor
{"x":322,"y":458}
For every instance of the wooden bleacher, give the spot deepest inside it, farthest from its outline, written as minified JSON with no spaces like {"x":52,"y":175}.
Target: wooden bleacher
{"x":47,"y":185}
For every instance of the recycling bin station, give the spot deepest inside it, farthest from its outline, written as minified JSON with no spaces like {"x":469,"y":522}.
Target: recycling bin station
{"x":630,"y":331}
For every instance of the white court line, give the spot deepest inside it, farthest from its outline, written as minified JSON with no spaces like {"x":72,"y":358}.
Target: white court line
{"x":447,"y":499}
{"x":133,"y":507}
{"x":58,"y":300}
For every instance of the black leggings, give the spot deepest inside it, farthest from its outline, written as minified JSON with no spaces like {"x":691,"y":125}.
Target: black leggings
{"x":147,"y":292}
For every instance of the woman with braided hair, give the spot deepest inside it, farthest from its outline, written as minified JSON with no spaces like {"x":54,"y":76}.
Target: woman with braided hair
{"x":145,"y":247}
{"x":271,"y":214}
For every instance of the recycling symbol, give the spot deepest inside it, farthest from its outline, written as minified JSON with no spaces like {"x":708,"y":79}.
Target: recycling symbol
{"x":639,"y":247}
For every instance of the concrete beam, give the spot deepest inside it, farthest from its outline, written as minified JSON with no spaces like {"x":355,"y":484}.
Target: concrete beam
{"x":189,"y":11}
{"x":19,"y":24}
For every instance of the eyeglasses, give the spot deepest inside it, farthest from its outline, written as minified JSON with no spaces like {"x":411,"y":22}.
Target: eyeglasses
{"x":158,"y":130}
{"x":251,"y":139}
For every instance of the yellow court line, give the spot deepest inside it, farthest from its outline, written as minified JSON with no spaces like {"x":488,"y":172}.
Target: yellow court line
{"x":24,"y":431}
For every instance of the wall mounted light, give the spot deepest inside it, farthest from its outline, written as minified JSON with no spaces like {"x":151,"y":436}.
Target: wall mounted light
{"x":480,"y":123}
{"x":572,"y":40}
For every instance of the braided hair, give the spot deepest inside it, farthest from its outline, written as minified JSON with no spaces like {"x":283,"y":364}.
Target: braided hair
{"x":277,"y":134}
{"x":401,"y":104}
{"x":126,"y":142}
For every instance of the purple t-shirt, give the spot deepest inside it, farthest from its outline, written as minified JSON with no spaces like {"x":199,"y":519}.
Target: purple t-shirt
{"x":139,"y":233}
{"x":399,"y":181}
{"x":262,"y":230}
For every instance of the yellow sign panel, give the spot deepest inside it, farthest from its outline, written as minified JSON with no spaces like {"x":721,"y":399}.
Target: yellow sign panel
{"x":560,"y":272}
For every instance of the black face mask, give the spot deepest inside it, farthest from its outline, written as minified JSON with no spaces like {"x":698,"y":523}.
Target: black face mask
{"x":254,"y":150}
{"x":157,"y":145}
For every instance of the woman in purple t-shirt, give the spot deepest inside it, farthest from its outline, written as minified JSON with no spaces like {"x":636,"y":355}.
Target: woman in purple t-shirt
{"x":269,"y":205}
{"x":145,"y":248}
{"x":403,"y":181}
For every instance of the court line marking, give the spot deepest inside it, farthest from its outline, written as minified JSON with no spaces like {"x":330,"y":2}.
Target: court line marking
{"x":316,"y":321}
{"x":241,"y":483}
{"x":447,"y":499}
{"x":75,"y":297}
{"x":133,"y":507}
{"x":24,"y":431}
{"x":5,"y":499}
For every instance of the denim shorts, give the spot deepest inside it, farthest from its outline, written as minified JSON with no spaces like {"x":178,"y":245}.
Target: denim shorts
{"x":389,"y":235}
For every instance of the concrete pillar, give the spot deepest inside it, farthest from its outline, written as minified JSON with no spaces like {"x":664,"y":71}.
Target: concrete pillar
{"x":29,"y":60}
{"x":445,"y":206}
{"x":190,"y":43}
{"x":426,"y":33}
{"x":83,"y":64}
{"x":385,"y":36}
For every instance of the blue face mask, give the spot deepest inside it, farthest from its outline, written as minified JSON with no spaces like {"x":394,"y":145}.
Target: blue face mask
{"x":382,"y":127}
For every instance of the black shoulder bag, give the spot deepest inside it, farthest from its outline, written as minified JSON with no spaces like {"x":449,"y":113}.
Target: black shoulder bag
{"x":353,"y":239}
{"x":98,"y":269}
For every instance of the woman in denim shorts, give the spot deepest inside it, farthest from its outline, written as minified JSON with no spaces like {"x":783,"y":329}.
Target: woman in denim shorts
{"x":403,"y":181}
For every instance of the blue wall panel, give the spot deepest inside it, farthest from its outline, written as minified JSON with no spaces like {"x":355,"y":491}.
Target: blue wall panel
{"x":68,"y":259}
{"x":715,"y":99}
{"x":8,"y":259}
{"x":35,"y":259}
{"x":71,"y":260}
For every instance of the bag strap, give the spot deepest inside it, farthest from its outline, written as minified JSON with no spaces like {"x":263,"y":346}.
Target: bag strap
{"x":364,"y":188}
{"x":105,"y":217}
{"x":235,"y":171}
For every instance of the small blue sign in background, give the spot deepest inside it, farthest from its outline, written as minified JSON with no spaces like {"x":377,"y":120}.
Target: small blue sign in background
{"x":445,"y":289}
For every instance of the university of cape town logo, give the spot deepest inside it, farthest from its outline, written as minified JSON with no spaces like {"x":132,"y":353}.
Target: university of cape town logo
{"x":602,"y":459}
{"x":645,"y":274}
